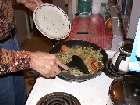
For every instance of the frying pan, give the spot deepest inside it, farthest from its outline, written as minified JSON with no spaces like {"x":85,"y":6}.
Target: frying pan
{"x":74,"y":44}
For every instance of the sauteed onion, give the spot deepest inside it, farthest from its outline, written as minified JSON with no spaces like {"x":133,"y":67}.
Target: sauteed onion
{"x":92,"y":58}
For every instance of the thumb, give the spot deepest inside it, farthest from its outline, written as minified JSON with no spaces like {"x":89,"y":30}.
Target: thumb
{"x":38,"y":2}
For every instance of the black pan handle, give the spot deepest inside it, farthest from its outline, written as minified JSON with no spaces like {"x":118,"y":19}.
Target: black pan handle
{"x":63,"y":75}
{"x":32,"y":73}
{"x":119,"y":59}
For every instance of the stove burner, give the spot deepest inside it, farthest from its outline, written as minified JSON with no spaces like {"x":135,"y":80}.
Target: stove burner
{"x":59,"y":98}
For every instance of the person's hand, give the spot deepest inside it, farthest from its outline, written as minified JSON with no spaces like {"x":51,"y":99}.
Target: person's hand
{"x":46,"y":64}
{"x":31,"y":4}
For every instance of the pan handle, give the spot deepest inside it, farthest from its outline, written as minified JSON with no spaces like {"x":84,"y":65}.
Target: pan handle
{"x":32,"y":73}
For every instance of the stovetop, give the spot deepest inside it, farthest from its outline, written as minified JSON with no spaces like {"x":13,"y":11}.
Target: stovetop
{"x":58,"y":98}
{"x":90,"y":92}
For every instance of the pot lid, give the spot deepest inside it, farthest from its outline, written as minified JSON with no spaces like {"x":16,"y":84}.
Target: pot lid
{"x":51,"y":21}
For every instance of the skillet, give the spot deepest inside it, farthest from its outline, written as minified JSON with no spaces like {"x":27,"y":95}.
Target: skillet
{"x":74,"y":44}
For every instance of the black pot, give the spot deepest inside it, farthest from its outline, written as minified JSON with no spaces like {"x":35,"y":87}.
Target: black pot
{"x":79,"y":43}
{"x":125,"y":91}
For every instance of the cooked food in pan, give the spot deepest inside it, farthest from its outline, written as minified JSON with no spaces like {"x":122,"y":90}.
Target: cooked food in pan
{"x":92,"y":58}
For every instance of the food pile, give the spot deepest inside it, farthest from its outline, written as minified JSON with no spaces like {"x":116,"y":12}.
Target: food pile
{"x":92,"y":58}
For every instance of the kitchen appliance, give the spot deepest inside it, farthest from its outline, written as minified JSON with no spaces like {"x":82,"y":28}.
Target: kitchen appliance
{"x":118,"y":65}
{"x":91,"y":92}
{"x":125,"y":91}
{"x":59,"y":98}
{"x":121,"y":58}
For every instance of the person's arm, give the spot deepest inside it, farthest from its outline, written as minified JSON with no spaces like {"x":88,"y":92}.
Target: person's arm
{"x":44,"y":63}
{"x":13,"y":61}
{"x":30,"y":4}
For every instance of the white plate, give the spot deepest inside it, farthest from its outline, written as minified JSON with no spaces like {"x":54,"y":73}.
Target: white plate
{"x":52,"y":21}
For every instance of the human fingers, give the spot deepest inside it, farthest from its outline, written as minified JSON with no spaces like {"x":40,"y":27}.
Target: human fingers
{"x":46,"y":72}
{"x":31,"y":6}
{"x":51,"y":72}
{"x":52,"y":69}
{"x":58,"y":62}
{"x":56,"y":69}
{"x":38,"y":2}
{"x":25,"y":1}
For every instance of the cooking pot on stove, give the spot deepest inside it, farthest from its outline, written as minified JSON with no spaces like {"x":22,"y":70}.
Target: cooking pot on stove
{"x":74,"y":44}
{"x":125,"y":91}
{"x":121,"y":58}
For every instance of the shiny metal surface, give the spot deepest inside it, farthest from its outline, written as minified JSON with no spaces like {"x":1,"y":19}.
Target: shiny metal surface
{"x":116,"y":92}
{"x":125,"y":91}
